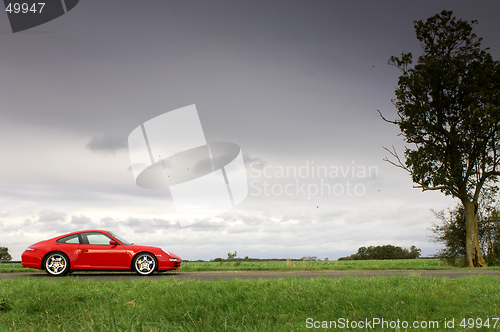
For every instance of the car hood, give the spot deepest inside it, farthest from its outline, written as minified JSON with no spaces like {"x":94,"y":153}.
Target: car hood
{"x":136,"y":247}
{"x":153,"y":250}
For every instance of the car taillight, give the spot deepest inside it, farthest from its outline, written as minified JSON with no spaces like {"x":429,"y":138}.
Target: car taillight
{"x":30,"y":249}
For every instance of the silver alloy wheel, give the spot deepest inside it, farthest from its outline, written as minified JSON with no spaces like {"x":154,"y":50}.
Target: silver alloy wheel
{"x":57,"y":264}
{"x":144,"y":264}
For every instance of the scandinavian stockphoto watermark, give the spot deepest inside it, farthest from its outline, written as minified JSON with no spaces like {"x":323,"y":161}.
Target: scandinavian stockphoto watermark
{"x":310,"y":179}
{"x":371,"y":323}
{"x":27,"y":14}
{"x":382,"y":323}
{"x":170,"y":152}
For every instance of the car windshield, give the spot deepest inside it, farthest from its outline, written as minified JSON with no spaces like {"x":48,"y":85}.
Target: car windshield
{"x":122,"y":240}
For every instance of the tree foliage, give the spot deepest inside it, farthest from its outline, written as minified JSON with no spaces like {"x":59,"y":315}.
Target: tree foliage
{"x":450,"y":231}
{"x":4,"y":254}
{"x":384,"y":252}
{"x":448,"y":107}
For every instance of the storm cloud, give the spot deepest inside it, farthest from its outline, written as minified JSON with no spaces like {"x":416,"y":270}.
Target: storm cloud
{"x":110,"y":143}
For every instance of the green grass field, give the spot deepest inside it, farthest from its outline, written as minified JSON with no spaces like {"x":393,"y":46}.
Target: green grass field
{"x":286,"y":304}
{"x":13,"y":267}
{"x":400,"y":264}
{"x":397,"y":264}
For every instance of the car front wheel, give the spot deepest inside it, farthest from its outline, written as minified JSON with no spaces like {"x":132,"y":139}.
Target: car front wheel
{"x":57,"y":264}
{"x":144,"y":264}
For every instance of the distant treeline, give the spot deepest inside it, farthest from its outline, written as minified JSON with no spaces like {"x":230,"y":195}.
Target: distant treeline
{"x":218,"y":259}
{"x":384,"y":252}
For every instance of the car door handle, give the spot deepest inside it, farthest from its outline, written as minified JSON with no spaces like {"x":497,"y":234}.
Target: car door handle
{"x":84,"y":250}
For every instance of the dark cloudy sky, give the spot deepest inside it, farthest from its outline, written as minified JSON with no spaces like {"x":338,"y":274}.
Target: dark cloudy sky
{"x":294,"y":83}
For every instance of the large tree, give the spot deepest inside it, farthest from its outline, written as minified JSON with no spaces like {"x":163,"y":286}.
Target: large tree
{"x":448,"y":107}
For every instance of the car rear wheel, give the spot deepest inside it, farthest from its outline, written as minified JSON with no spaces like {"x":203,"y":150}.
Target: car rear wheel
{"x":57,"y":264}
{"x":144,"y":264}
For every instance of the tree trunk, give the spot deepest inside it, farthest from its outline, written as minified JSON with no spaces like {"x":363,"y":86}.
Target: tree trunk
{"x":473,"y":252}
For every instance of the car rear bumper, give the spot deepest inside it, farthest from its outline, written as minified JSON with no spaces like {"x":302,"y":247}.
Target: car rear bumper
{"x":31,"y":261}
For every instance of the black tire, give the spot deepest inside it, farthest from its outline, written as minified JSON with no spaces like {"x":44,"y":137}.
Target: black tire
{"x":144,"y":264}
{"x":56,"y":264}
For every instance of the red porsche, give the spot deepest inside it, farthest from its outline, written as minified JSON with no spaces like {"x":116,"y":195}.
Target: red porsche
{"x":96,"y":250}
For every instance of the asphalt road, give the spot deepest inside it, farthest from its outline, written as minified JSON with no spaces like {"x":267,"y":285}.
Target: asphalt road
{"x":225,"y":275}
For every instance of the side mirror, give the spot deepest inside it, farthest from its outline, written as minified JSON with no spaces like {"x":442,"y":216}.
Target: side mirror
{"x":113,"y":243}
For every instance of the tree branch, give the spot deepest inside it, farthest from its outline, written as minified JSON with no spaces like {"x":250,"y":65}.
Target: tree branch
{"x":422,"y":186}
{"x":389,"y":121}
{"x":483,"y":179}
{"x":425,"y":188}
{"x":399,"y":163}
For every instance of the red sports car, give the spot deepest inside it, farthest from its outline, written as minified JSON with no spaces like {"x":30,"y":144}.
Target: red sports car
{"x":96,"y":250}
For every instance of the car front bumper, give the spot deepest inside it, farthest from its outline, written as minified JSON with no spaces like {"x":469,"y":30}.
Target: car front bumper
{"x":166,"y":263}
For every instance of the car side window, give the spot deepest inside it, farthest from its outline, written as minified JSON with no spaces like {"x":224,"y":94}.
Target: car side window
{"x":98,"y":239}
{"x":72,"y":239}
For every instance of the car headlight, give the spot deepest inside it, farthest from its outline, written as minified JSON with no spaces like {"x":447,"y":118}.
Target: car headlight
{"x":173,"y":259}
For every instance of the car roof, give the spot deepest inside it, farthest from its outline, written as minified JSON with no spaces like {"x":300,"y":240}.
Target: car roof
{"x":78,"y":232}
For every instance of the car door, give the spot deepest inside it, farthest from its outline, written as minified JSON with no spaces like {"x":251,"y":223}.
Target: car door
{"x":96,"y":251}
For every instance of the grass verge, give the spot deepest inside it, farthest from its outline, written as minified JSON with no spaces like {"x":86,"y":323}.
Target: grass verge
{"x":14,"y":267}
{"x":70,"y":304}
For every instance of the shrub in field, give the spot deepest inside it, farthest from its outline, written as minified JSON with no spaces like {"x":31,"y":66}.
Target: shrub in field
{"x":231,"y":255}
{"x":309,"y":258}
{"x":4,"y":254}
